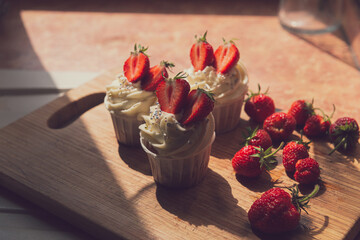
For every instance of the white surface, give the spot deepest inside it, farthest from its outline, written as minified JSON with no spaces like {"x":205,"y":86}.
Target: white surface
{"x":19,"y":219}
{"x":14,"y":107}
{"x":29,"y":79}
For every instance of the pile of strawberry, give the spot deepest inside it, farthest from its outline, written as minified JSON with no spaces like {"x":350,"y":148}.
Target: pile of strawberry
{"x":276,"y":211}
{"x":137,"y":69}
{"x":202,"y":55}
{"x":175,"y":97}
{"x":344,"y":133}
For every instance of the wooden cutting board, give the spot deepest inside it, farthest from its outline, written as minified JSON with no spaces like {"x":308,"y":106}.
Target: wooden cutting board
{"x":65,"y":157}
{"x":74,"y":168}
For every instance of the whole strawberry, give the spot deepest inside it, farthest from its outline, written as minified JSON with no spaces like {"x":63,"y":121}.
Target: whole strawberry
{"x":344,"y":134}
{"x":250,"y":161}
{"x":172,"y":93}
{"x":156,"y":74}
{"x":137,"y":65}
{"x":277,"y":212}
{"x":301,"y":111}
{"x":199,"y":103}
{"x":226,"y":57}
{"x":317,"y":126}
{"x":307,"y":171}
{"x":279,"y":126}
{"x":294,"y":151}
{"x":201,"y":54}
{"x":259,"y":106}
{"x":258,"y":138}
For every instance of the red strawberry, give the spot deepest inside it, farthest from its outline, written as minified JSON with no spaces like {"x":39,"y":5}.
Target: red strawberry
{"x":199,"y":103}
{"x":137,"y":65}
{"x":344,"y":133}
{"x":258,"y":138}
{"x":250,"y":161}
{"x":276,"y":211}
{"x":226,"y":57}
{"x":307,"y":171}
{"x":172,"y":93}
{"x":316,"y":126}
{"x":292,"y":152}
{"x":301,"y":111}
{"x":201,"y":53}
{"x":279,"y":126}
{"x":155,"y":75}
{"x":259,"y":106}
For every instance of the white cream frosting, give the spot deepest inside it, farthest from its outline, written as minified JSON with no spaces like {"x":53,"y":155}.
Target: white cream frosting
{"x":168,"y":137}
{"x":123,"y":97}
{"x":223,"y":86}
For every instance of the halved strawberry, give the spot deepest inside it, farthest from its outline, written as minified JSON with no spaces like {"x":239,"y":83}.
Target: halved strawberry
{"x":226,"y":57}
{"x":137,"y":65}
{"x":172,"y":93}
{"x":155,"y":75}
{"x":201,"y":53}
{"x":199,"y":104}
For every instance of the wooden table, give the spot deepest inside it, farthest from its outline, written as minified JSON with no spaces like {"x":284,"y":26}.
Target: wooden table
{"x":74,"y":38}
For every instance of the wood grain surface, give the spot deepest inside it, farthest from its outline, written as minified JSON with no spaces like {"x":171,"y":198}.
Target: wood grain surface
{"x":76,"y":169}
{"x":65,"y":157}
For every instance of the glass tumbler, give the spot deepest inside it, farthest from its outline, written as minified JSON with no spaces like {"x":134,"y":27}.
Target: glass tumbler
{"x":310,"y":16}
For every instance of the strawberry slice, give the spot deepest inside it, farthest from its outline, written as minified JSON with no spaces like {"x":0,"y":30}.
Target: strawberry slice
{"x":226,"y":57}
{"x":137,"y":65}
{"x":155,"y":75}
{"x":199,"y":104}
{"x":201,"y":53}
{"x":172,"y":93}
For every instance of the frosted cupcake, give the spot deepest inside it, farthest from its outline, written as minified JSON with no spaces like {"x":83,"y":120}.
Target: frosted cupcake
{"x":178,"y":133}
{"x":222,"y":74}
{"x":131,"y":94}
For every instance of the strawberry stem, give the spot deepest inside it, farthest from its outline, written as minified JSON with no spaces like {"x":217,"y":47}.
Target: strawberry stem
{"x":251,"y":134}
{"x":312,"y":194}
{"x":230,"y":41}
{"x":306,"y":144}
{"x":271,"y":154}
{"x":180,"y":75}
{"x":302,"y":202}
{"x":325,"y":116}
{"x":139,"y":49}
{"x":266,"y":157}
{"x":343,"y":140}
{"x":332,"y":114}
{"x":209,"y":94}
{"x":202,"y":39}
{"x":252,"y":94}
{"x":167,"y":64}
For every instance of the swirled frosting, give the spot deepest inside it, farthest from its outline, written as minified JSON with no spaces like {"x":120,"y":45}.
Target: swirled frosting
{"x":123,"y":97}
{"x":223,"y":86}
{"x":167,"y":137}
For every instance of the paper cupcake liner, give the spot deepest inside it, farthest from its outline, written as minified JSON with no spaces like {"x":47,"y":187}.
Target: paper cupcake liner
{"x":180,"y":171}
{"x":126,"y":129}
{"x":227,"y":114}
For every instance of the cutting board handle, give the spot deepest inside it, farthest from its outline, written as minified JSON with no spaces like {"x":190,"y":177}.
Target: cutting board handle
{"x":73,"y":110}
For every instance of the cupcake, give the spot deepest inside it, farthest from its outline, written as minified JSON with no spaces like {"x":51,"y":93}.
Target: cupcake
{"x":178,"y":133}
{"x":131,"y":94}
{"x":222,"y":74}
